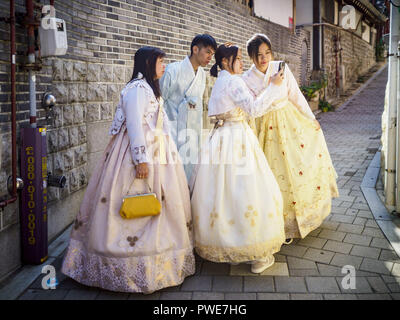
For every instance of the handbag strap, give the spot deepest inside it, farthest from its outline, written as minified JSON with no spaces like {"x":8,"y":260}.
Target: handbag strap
{"x":134,"y":181}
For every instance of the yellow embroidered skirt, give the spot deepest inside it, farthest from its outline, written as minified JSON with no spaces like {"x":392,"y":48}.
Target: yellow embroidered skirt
{"x":298,"y":156}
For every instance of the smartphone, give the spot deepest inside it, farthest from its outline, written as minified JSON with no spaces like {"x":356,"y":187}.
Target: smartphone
{"x":281,"y":66}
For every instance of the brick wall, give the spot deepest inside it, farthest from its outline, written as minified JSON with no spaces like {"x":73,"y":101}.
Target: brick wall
{"x":103,"y":36}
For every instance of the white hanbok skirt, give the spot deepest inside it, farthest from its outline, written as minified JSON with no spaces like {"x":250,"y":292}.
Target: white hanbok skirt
{"x":237,"y":206}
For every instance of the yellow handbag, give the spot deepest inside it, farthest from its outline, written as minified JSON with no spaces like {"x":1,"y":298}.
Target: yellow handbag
{"x":140,"y":205}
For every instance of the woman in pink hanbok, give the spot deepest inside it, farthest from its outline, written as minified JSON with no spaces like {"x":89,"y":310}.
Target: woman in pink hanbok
{"x":143,"y":254}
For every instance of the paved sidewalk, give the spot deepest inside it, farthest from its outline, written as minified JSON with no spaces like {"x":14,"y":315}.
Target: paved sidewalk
{"x":310,"y":268}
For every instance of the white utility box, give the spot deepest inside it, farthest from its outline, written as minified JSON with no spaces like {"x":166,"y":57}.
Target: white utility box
{"x":53,"y":37}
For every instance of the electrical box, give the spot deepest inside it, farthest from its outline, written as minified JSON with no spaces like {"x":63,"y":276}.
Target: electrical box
{"x":53,"y":37}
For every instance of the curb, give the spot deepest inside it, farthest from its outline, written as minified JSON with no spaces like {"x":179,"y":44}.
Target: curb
{"x":387,"y":222}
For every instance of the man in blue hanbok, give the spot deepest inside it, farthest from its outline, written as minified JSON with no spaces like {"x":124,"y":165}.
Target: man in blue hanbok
{"x":182,"y":87}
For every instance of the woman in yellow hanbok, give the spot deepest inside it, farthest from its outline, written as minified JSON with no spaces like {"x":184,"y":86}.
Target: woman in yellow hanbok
{"x":294,"y":146}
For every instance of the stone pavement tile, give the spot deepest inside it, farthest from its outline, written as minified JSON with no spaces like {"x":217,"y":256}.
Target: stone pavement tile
{"x":280,"y":257}
{"x":197,"y":283}
{"x":319,"y":255}
{"x":394,"y":287}
{"x":346,"y":205}
{"x":361,"y":206}
{"x":333,"y":296}
{"x":332,"y":235}
{"x":378,"y":285}
{"x":273,"y":296}
{"x":313,"y":242}
{"x":361,"y":285}
{"x":395,"y":296}
{"x":315,"y":232}
{"x":390,"y":279}
{"x":296,"y":263}
{"x":336,"y":202}
{"x":357,"y":239}
{"x":176,"y":296}
{"x":259,"y":284}
{"x":293,"y":250}
{"x":57,"y":294}
{"x":306,"y":296}
{"x":374,"y":296}
{"x":277,"y":269}
{"x":396,"y":270}
{"x":365,"y":214}
{"x":69,"y":283}
{"x":322,"y":285}
{"x":342,"y":218}
{"x":346,"y":198}
{"x":371,"y":223}
{"x":360,"y":221}
{"x":208,"y":296}
{"x":78,"y":294}
{"x":330,"y":225}
{"x":171,"y":289}
{"x":341,"y":260}
{"x":355,"y":193}
{"x":330,"y":271}
{"x":381,"y":243}
{"x":351,"y":228}
{"x":372,"y":265}
{"x":29,"y":294}
{"x":338,"y":246}
{"x":366,"y":252}
{"x":228,"y":284}
{"x":373,"y":232}
{"x":290,"y":284}
{"x":240,"y":296}
{"x":303,"y":272}
{"x":338,"y":210}
{"x":389,"y":255}
{"x":141,"y":296}
{"x":110,"y":295}
{"x":215,"y":269}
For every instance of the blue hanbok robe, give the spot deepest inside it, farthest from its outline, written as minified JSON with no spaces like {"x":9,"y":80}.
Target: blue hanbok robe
{"x":181,"y":86}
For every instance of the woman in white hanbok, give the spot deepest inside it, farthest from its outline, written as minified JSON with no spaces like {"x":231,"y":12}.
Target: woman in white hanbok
{"x":236,"y":202}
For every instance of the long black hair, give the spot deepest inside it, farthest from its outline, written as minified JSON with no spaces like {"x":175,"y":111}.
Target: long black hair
{"x":255,"y":42}
{"x":223,"y":51}
{"x":145,"y":63}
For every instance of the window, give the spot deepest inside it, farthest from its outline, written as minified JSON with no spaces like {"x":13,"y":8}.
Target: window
{"x":366,"y":31}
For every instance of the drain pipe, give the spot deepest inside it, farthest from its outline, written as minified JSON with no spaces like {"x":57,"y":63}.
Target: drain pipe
{"x":390,"y":161}
{"x":397,"y":197}
{"x":31,"y":61}
{"x":13,"y":110}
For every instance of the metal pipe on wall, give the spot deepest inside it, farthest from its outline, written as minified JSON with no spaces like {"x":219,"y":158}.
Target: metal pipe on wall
{"x":397,"y":196}
{"x":13,"y":109}
{"x":390,"y":165}
{"x":31,"y":61}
